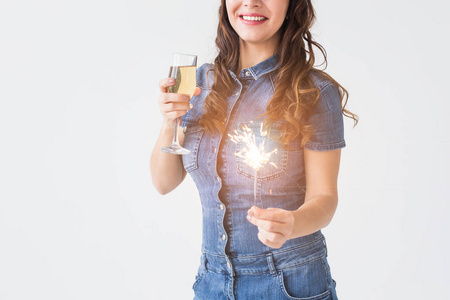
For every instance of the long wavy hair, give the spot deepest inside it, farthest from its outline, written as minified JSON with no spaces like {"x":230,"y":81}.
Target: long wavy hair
{"x":295,"y":95}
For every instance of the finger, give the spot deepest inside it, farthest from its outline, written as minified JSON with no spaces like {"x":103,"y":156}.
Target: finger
{"x":271,"y":236}
{"x":267,"y":242}
{"x":173,"y":97}
{"x":165,"y":83}
{"x":175,"y":114}
{"x":269,"y":226}
{"x":174,"y":106}
{"x":278,"y":215}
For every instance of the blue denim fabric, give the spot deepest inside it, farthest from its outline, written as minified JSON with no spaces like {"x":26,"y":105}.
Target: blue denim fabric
{"x":234,"y":263}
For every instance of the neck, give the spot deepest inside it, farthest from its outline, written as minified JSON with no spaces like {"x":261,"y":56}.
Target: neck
{"x":251,"y":54}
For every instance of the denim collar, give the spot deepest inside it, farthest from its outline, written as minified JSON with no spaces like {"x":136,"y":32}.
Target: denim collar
{"x":264,"y":67}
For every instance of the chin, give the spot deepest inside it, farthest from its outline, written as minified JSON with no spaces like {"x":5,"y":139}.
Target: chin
{"x":252,"y":39}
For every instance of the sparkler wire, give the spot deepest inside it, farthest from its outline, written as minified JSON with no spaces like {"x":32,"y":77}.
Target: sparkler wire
{"x":254,"y":187}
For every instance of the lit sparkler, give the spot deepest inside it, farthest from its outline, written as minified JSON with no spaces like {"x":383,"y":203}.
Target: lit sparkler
{"x":253,"y":153}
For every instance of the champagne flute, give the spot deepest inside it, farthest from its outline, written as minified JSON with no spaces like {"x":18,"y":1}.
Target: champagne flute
{"x":183,"y":70}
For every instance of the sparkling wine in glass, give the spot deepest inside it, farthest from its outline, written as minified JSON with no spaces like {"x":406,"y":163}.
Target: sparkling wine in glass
{"x":183,"y":69}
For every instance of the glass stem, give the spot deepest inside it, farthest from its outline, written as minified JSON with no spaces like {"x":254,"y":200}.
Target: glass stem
{"x":175,"y":133}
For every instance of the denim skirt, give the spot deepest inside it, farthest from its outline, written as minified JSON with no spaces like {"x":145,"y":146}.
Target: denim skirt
{"x":301,"y":273}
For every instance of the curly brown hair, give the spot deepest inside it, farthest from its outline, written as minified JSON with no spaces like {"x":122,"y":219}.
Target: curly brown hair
{"x":295,"y":94}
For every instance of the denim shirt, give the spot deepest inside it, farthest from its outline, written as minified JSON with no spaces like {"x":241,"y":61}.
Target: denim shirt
{"x":226,"y":183}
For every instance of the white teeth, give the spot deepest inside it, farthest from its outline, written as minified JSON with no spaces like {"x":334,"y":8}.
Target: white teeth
{"x":249,"y":18}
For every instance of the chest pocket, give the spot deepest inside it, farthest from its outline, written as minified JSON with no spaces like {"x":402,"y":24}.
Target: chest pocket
{"x":256,"y":142}
{"x":192,"y":138}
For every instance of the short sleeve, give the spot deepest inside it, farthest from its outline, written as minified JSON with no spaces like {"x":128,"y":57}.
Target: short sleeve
{"x":327,"y":121}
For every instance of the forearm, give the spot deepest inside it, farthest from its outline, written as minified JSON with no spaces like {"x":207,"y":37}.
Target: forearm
{"x":166,"y":169}
{"x":315,"y":214}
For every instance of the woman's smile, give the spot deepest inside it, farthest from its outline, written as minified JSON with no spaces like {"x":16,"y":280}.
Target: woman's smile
{"x":252,"y":18}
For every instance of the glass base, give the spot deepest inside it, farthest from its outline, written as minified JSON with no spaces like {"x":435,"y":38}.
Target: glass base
{"x":175,"y":149}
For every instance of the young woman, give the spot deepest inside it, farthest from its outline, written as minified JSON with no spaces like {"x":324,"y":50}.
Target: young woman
{"x":263,"y":74}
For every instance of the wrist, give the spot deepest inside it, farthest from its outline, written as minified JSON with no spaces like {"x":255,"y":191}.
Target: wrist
{"x":298,"y":216}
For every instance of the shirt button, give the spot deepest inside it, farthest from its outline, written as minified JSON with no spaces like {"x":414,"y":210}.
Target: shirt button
{"x":247,"y":73}
{"x":221,"y":206}
{"x":218,"y":179}
{"x":223,"y":237}
{"x":228,"y":265}
{"x":215,"y":150}
{"x":236,"y":94}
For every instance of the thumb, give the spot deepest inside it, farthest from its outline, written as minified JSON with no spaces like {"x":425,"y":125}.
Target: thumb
{"x":254,"y":211}
{"x":197,"y":91}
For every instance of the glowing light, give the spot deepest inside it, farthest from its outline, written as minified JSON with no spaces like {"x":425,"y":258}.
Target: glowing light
{"x":253,"y":153}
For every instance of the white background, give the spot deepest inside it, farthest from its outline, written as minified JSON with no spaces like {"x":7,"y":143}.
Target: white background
{"x":79,"y":217}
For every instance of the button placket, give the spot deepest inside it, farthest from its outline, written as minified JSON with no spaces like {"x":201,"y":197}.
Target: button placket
{"x":230,"y":268}
{"x":215,"y":147}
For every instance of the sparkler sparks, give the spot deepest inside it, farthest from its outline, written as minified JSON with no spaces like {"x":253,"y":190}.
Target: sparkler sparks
{"x":253,"y":153}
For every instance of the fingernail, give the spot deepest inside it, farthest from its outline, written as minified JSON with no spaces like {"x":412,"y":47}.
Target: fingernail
{"x":171,"y":80}
{"x":249,"y":218}
{"x":250,"y":213}
{"x":191,"y":105}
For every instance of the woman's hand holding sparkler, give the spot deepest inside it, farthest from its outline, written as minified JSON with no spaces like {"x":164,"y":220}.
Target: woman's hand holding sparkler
{"x":275,"y":225}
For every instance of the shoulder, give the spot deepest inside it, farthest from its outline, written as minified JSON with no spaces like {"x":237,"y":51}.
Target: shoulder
{"x":321,"y":80}
{"x":205,"y":76}
{"x":330,"y":95}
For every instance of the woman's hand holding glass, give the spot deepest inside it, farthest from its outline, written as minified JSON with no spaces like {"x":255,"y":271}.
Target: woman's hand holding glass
{"x":172,"y":105}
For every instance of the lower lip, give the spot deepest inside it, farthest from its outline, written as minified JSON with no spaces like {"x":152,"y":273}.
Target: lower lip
{"x":247,"y":22}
